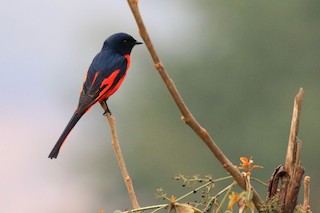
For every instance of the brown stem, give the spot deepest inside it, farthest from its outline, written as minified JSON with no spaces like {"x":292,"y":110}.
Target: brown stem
{"x":306,"y":203}
{"x":186,"y":114}
{"x":294,"y":172}
{"x":292,"y":145}
{"x":117,"y":150}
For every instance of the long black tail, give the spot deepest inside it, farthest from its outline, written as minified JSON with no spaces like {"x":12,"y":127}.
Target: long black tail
{"x":73,"y":121}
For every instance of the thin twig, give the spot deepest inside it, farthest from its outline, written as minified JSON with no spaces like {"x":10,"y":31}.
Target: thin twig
{"x":208,"y":207}
{"x":117,"y":150}
{"x":225,"y":196}
{"x":306,"y":198}
{"x":162,"y":207}
{"x":193,"y":191}
{"x":147,"y":208}
{"x":186,"y":114}
{"x":259,"y":181}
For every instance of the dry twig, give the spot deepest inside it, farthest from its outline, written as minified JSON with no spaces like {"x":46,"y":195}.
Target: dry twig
{"x":291,"y":157}
{"x":186,"y":114}
{"x":117,"y":150}
{"x":306,"y":198}
{"x":294,"y":171}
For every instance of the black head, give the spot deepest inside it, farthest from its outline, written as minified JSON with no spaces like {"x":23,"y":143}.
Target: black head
{"x":121,"y":43}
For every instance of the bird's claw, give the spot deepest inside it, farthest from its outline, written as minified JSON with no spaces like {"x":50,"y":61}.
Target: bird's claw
{"x":107,"y":111}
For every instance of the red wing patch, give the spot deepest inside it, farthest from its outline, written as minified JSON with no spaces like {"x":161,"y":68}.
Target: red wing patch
{"x":115,"y":88}
{"x":107,"y":82}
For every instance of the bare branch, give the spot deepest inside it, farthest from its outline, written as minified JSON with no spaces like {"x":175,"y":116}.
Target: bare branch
{"x":117,"y":150}
{"x":186,"y":114}
{"x":292,"y":145}
{"x":306,"y":198}
{"x":294,"y":172}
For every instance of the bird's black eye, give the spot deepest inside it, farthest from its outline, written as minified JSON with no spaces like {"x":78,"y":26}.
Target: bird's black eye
{"x":125,"y":41}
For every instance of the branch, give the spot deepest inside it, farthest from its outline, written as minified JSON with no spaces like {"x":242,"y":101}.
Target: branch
{"x":292,"y":144}
{"x":117,"y":150}
{"x":306,"y":194}
{"x":186,"y":114}
{"x":294,"y":172}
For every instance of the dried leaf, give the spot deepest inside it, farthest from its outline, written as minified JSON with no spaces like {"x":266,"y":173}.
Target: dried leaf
{"x":183,"y":208}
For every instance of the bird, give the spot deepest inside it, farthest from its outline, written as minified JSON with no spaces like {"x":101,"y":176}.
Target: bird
{"x":103,"y":78}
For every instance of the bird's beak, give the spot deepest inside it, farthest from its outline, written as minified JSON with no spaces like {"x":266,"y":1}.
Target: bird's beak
{"x":138,"y":42}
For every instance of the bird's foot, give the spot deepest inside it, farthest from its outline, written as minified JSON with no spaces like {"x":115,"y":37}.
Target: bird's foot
{"x":105,"y":107}
{"x":107,"y":111}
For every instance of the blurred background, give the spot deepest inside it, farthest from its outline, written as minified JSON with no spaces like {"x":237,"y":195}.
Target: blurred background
{"x":237,"y":64}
